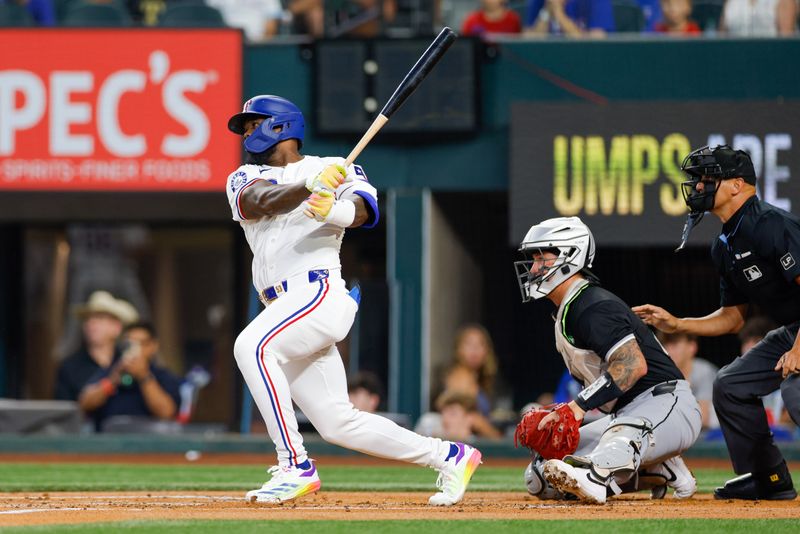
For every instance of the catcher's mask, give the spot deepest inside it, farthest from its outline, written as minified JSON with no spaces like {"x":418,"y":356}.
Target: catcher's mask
{"x":553,"y":251}
{"x":706,"y":167}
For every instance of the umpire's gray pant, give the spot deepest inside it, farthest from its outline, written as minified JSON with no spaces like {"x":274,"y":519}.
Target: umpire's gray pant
{"x":737,"y":400}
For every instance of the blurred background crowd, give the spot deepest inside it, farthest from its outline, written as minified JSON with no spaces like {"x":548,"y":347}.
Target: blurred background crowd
{"x":263,"y":20}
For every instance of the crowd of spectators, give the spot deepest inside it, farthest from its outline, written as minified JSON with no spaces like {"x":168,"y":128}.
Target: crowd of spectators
{"x":262,"y":20}
{"x":464,"y":404}
{"x":115,"y":372}
{"x":598,"y":18}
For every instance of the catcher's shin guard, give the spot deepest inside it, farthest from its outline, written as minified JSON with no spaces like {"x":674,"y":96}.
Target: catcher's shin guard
{"x":619,"y":451}
{"x":535,"y":482}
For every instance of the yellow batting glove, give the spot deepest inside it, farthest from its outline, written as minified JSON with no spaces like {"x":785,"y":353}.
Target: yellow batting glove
{"x":320,"y":204}
{"x":329,"y":179}
{"x":324,"y":207}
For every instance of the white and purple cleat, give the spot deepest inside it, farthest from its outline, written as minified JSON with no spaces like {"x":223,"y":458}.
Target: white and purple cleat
{"x":454,"y":476}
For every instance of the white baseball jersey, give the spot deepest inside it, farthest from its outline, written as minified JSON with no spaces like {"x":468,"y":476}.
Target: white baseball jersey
{"x":290,"y":244}
{"x":288,"y":352}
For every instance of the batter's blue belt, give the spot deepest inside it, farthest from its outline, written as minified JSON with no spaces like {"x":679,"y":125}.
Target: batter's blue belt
{"x":269,"y":294}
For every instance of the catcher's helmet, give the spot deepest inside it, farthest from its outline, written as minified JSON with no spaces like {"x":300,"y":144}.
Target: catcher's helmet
{"x":566,"y":237}
{"x":277,"y":113}
{"x":711,"y":165}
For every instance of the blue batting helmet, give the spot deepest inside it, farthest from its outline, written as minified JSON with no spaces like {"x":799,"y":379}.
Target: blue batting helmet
{"x":277,"y":113}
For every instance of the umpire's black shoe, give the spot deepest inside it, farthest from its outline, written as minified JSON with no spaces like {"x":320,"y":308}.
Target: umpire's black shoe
{"x":773,"y":485}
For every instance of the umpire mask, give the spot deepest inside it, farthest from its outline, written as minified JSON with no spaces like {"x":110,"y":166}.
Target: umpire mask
{"x":699,"y":194}
{"x":706,"y":167}
{"x":704,"y":173}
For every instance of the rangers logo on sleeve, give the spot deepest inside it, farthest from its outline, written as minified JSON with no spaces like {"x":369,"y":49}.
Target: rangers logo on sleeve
{"x":238,"y":180}
{"x":360,"y":172}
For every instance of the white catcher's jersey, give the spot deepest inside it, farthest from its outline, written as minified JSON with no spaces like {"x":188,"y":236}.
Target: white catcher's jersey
{"x":290,"y":244}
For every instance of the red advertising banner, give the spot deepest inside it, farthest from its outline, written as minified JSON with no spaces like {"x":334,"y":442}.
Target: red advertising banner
{"x":136,"y":110}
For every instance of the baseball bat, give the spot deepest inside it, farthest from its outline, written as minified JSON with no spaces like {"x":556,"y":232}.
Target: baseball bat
{"x":418,"y":72}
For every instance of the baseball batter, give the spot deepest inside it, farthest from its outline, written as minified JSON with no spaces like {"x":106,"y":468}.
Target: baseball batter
{"x":653,"y":415}
{"x":294,"y":210}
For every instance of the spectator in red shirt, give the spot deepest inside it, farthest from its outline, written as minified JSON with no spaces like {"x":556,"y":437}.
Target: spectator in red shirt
{"x":675,"y":18}
{"x":493,"y":17}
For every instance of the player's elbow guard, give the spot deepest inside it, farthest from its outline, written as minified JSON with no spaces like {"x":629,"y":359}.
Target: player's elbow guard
{"x":364,"y":190}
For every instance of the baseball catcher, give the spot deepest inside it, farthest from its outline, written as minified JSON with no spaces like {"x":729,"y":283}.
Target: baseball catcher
{"x":652,"y":414}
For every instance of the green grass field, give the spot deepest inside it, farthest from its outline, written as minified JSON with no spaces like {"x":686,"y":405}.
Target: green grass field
{"x":196,"y":477}
{"x":30,"y":477}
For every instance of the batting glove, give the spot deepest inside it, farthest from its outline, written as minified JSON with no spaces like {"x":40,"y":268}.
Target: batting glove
{"x":329,"y":179}
{"x":324,"y":207}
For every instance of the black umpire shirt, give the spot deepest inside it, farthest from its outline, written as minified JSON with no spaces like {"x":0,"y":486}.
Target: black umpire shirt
{"x":758,"y":257}
{"x":597,"y":320}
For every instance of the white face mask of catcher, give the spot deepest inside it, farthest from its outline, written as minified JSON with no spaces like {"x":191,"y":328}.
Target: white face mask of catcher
{"x":554,"y":250}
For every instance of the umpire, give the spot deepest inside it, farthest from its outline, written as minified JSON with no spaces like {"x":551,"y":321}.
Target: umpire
{"x":758,"y":259}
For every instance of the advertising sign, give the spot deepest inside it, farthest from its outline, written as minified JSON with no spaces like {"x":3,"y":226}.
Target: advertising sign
{"x":137,"y":110}
{"x":617,"y":166}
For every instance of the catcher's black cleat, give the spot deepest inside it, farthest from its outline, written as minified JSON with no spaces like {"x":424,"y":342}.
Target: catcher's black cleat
{"x":773,"y":485}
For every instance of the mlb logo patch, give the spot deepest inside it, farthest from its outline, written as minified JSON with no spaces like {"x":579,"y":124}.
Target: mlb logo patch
{"x":787,"y":261}
{"x":752,"y":273}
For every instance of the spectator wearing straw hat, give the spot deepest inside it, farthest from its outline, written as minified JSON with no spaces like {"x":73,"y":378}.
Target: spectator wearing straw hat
{"x":134,"y":384}
{"x":103,"y":318}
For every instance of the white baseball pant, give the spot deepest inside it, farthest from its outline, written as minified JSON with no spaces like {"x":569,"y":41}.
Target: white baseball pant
{"x":288,"y":353}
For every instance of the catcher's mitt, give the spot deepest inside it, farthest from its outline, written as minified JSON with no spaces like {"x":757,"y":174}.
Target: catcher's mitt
{"x":556,"y":440}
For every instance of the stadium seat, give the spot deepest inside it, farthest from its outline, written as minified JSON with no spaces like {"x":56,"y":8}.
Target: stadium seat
{"x":84,"y":14}
{"x":707,"y":14}
{"x":61,"y":7}
{"x":15,"y":16}
{"x":191,"y":15}
{"x":628,"y":16}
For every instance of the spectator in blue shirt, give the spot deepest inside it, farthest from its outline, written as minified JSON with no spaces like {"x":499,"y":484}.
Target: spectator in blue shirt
{"x":652,"y":13}
{"x":574,"y":18}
